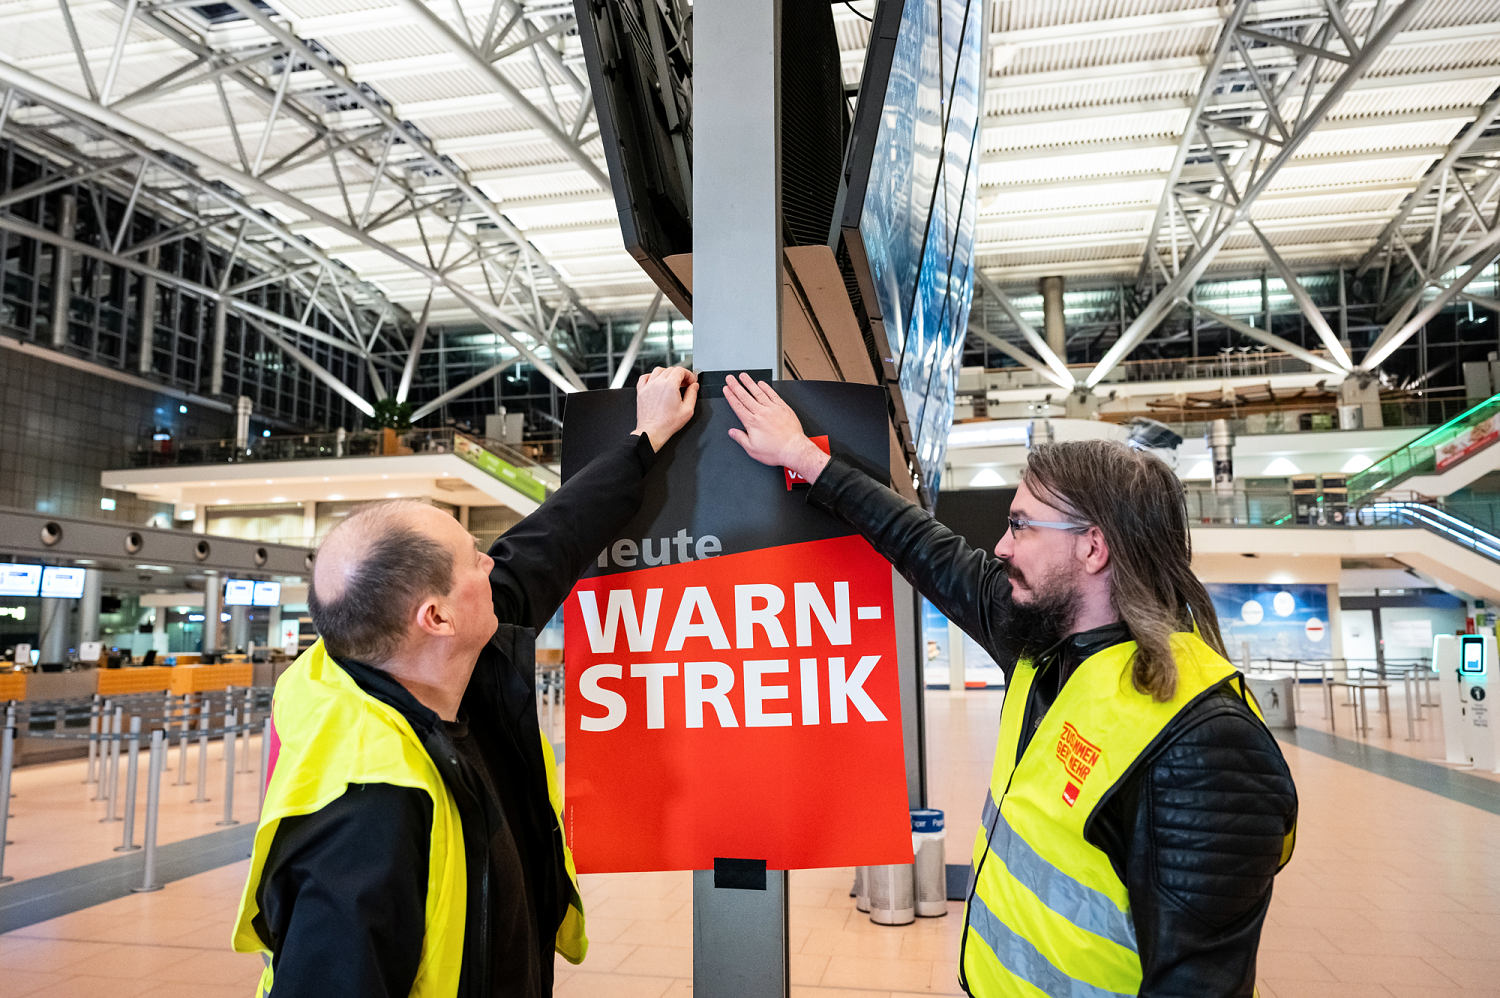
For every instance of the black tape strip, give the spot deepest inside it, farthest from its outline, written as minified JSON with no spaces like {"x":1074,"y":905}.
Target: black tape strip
{"x":740,"y":874}
{"x":711,"y":383}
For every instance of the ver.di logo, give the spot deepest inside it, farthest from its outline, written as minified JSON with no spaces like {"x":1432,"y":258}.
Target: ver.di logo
{"x":1079,"y":756}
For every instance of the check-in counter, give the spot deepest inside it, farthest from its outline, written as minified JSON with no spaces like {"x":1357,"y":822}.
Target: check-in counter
{"x":199,"y":678}
{"x":12,"y":686}
{"x":60,"y":685}
{"x":146,"y":679}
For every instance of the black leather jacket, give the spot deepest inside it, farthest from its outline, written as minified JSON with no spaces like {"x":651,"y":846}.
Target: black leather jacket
{"x":1195,"y":831}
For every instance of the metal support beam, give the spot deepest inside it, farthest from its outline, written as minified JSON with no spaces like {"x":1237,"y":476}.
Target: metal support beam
{"x":317,"y":370}
{"x":976,"y":328}
{"x":216,"y":361}
{"x":62,"y":272}
{"x":489,"y":315}
{"x":992,"y":292}
{"x":412,"y":140}
{"x":1270,"y":340}
{"x":1397,"y":332}
{"x":1430,"y":179}
{"x":1218,"y":222}
{"x":628,"y":360}
{"x":427,"y":408}
{"x":410,"y":367}
{"x":479,"y":64}
{"x":148,"y":312}
{"x":1304,"y":301}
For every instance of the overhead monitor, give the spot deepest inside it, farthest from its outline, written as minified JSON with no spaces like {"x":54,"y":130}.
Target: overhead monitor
{"x":267,"y":594}
{"x":908,"y":220}
{"x":20,"y":580}
{"x":239,"y":592}
{"x":62,"y":583}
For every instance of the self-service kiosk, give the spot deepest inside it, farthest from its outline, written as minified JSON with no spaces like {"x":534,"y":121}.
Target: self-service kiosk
{"x":1465,"y":664}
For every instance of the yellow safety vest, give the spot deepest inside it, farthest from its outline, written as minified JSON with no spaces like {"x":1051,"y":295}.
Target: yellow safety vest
{"x":1047,"y":916}
{"x":333,"y":734}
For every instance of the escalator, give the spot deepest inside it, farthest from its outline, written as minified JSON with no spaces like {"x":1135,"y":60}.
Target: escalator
{"x":1440,"y":461}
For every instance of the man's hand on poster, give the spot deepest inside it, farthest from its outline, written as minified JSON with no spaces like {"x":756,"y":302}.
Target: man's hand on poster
{"x":773,"y":433}
{"x":664,"y":401}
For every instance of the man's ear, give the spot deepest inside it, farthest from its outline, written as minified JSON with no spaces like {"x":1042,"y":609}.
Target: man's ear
{"x":434,"y":617}
{"x":1094,"y":550}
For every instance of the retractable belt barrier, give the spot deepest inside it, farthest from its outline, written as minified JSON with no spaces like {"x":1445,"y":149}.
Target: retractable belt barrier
{"x":110,"y":724}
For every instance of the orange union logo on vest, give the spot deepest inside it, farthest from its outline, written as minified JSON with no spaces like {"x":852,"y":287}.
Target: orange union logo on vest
{"x":1079,"y":756}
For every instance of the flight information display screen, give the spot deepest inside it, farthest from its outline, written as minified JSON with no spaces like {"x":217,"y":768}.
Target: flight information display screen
{"x":20,"y":580}
{"x":909,"y":220}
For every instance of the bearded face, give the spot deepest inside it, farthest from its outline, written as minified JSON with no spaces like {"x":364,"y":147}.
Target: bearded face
{"x":1039,"y":618}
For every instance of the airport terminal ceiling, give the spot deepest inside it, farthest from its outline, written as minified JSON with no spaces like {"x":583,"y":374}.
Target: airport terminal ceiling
{"x":411,"y":199}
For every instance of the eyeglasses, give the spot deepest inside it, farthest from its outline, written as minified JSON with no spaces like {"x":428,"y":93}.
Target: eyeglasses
{"x":1020,"y":523}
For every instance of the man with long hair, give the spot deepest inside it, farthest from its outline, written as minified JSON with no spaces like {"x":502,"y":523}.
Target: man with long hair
{"x":1138,"y":808}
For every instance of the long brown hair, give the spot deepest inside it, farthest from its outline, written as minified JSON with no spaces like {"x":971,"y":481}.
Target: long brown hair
{"x":1139,"y":505}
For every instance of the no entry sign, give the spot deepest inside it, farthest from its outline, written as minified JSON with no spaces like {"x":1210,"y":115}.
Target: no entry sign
{"x":732,"y":688}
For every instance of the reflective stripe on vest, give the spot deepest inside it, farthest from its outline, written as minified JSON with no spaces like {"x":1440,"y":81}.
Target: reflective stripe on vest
{"x":1026,"y":962}
{"x":1047,"y":914}
{"x":1085,"y":907}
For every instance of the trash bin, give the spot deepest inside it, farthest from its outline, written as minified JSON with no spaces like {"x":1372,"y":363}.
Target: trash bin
{"x":892,"y":898}
{"x":862,"y":888}
{"x":1274,"y":695}
{"x":930,"y":864}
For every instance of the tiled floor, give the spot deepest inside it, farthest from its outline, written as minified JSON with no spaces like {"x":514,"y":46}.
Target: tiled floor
{"x":1394,"y":891}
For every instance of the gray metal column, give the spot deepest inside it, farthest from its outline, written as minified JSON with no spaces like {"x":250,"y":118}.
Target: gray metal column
{"x":1052,"y":316}
{"x":54,"y":628}
{"x":62,"y":270}
{"x":239,"y":629}
{"x":740,"y":945}
{"x":221,"y":332}
{"x":213,"y":603}
{"x":88,"y":607}
{"x":159,"y":631}
{"x":148,"y":311}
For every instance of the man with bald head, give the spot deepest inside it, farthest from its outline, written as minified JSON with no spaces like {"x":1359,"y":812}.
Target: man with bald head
{"x":411,"y":839}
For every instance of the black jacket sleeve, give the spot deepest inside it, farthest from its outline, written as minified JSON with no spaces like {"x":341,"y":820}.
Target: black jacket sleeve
{"x":1197,"y":839}
{"x":960,"y":580}
{"x":343,"y":895}
{"x":538,"y":560}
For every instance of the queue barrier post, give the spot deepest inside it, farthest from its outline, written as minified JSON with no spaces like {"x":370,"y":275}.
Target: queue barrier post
{"x":92,"y":775}
{"x":132,"y":773}
{"x":11,"y":721}
{"x":204,"y":720}
{"x":231,"y":734}
{"x":112,"y":791}
{"x":7,"y":761}
{"x":106,"y":711}
{"x":184,"y":727}
{"x":245,"y":734}
{"x":153,"y":803}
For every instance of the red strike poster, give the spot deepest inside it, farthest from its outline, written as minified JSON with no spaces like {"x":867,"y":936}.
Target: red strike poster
{"x":732,"y":688}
